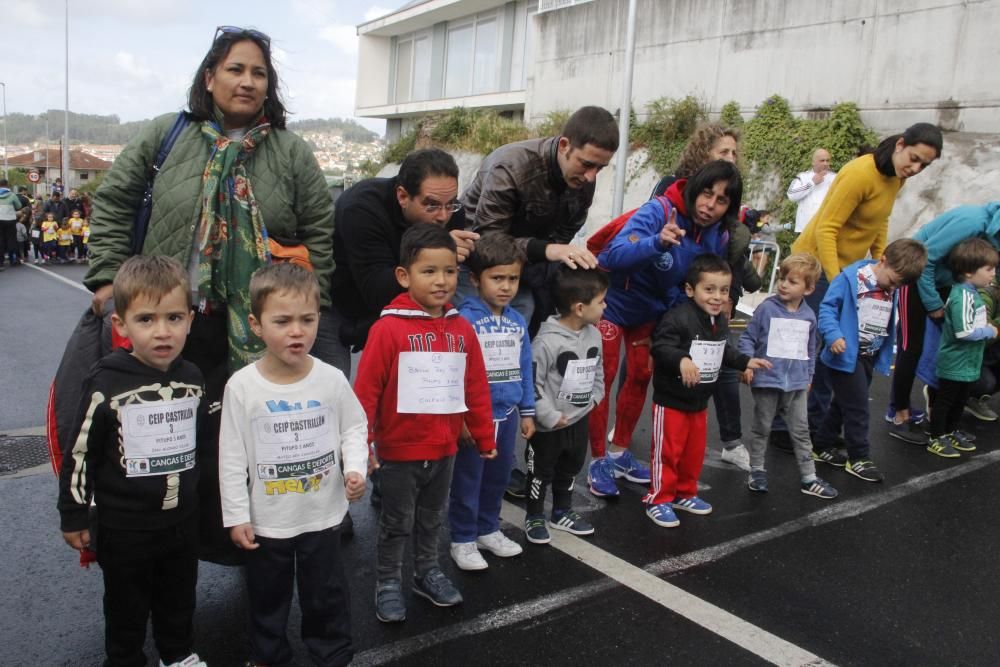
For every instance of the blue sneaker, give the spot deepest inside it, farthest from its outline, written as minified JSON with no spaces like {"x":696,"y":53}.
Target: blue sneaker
{"x":916,"y":416}
{"x":601,"y":478}
{"x":693,"y":505}
{"x":662,"y":515}
{"x":629,"y":467}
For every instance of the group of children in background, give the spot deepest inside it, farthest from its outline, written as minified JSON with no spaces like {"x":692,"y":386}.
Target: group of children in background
{"x":440,"y":397}
{"x":54,"y":241}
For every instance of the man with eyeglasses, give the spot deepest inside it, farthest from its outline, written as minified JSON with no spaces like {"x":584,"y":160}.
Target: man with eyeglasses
{"x":369,"y":221}
{"x":539,"y":191}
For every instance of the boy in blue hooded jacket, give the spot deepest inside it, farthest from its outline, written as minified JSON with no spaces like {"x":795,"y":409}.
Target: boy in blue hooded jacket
{"x":478,"y":484}
{"x":856,"y":319}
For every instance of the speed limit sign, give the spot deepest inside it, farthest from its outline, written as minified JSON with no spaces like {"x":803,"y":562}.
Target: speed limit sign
{"x":34,"y":176}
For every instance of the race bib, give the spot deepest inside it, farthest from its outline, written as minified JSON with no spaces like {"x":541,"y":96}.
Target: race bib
{"x":873,"y":317}
{"x":707,"y":356}
{"x":295,"y":444}
{"x":159,"y":438}
{"x":788,"y":339}
{"x":578,"y":383}
{"x":980,"y":318}
{"x":502,"y":354}
{"x":431,"y":383}
{"x":35,"y":233}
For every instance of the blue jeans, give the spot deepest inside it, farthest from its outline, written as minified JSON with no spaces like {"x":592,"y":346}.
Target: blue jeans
{"x":328,"y":346}
{"x":727,"y":405}
{"x":848,"y":411}
{"x":477,"y":485}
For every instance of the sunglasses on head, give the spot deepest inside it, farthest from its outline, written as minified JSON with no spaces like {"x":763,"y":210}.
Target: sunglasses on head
{"x":236,"y":30}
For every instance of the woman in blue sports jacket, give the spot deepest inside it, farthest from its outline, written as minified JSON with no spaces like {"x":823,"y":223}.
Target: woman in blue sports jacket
{"x":647,"y":275}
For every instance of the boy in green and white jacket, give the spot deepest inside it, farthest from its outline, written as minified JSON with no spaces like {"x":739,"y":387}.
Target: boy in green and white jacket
{"x":963,"y":340}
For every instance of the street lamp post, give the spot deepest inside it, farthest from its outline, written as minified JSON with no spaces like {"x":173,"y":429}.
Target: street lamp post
{"x":3,"y":86}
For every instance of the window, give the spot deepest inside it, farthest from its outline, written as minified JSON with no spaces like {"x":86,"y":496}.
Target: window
{"x":413,"y":68}
{"x":84,"y":176}
{"x":472,"y":63}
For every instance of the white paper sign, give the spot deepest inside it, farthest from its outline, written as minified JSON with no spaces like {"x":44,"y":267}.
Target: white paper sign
{"x":295,"y":444}
{"x":707,"y":356}
{"x":578,"y":383}
{"x":788,"y":339}
{"x":431,"y":383}
{"x":159,"y":438}
{"x":502,"y":354}
{"x":873,"y":317}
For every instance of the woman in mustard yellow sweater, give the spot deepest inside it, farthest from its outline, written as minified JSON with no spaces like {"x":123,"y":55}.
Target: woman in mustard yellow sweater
{"x":853,"y":221}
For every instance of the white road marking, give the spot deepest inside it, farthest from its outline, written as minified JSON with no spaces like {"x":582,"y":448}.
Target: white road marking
{"x":58,"y":277}
{"x":524,"y":611}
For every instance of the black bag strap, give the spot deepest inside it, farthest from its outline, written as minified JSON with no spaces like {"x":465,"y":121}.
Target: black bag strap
{"x":141,"y":223}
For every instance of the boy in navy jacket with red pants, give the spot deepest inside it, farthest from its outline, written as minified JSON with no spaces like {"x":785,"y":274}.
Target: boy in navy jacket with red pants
{"x":421,"y":375}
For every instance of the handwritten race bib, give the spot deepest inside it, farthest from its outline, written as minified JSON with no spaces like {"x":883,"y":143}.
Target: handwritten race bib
{"x":578,"y":383}
{"x":295,"y":444}
{"x":979,"y":319}
{"x":159,"y":438}
{"x":707,"y":356}
{"x":788,"y":339}
{"x":873,"y":317}
{"x":502,"y":354}
{"x":431,"y":383}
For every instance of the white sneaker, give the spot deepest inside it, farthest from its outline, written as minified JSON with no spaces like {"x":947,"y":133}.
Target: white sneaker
{"x":737,"y":456}
{"x":499,"y":544}
{"x":191,"y":661}
{"x":466,"y":555}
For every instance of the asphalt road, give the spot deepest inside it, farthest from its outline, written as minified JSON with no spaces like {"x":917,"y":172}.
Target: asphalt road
{"x":900,"y":573}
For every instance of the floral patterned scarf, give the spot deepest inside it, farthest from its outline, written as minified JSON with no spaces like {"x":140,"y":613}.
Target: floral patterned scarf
{"x":231,"y":237}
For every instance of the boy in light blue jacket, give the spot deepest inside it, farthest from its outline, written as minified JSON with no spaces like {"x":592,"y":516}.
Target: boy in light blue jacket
{"x":857,"y":320}
{"x":477,"y":484}
{"x":783,"y":331}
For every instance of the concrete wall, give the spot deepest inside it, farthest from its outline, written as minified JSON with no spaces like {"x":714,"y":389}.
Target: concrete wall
{"x":902,"y":61}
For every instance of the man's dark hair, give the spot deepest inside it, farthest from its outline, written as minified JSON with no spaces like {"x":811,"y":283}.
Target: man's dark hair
{"x":496,"y":249}
{"x":971,"y":255}
{"x":3,"y":183}
{"x":706,"y":178}
{"x":423,"y":236}
{"x":572,"y":286}
{"x":592,"y":125}
{"x":920,"y":133}
{"x":706,"y":263}
{"x":422,"y":164}
{"x":200,"y":100}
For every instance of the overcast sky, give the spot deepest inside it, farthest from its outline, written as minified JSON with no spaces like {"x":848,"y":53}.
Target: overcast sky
{"x":136,"y":58}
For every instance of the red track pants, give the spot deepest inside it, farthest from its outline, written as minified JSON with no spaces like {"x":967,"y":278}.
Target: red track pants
{"x":632,"y":395}
{"x":677,"y":454}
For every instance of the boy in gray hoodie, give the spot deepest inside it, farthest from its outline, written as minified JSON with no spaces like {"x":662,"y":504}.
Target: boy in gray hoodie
{"x":569,"y":382}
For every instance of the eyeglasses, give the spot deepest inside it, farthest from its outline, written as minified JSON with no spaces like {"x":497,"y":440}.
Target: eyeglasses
{"x":236,"y":30}
{"x":453,"y":207}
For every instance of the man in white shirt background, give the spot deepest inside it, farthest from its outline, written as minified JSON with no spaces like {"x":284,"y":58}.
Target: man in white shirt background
{"x":810,"y":187}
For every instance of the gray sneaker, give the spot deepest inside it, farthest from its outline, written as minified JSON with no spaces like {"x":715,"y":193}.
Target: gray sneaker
{"x":979,"y":408}
{"x":389,"y":604}
{"x":437,"y":588}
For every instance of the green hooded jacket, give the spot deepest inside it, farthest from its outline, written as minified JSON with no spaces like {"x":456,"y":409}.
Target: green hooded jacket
{"x":286,"y":179}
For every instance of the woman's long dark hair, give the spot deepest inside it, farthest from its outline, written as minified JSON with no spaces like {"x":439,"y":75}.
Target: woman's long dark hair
{"x":706,"y":178}
{"x":200,"y":100}
{"x":921,"y":133}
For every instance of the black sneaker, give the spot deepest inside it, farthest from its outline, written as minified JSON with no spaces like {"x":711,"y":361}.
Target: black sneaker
{"x":819,"y":488}
{"x":943,"y":446}
{"x":864,"y":469}
{"x":834,"y":457}
{"x":571,"y":522}
{"x":535,"y":530}
{"x":908,"y":432}
{"x":437,"y":588}
{"x":389,"y":604}
{"x":517,"y":485}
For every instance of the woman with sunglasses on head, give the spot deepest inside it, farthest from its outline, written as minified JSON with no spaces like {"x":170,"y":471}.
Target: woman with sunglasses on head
{"x":853,"y":222}
{"x":233,"y":180}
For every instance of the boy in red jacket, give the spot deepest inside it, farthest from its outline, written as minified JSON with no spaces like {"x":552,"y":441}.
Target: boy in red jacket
{"x":422,"y":374}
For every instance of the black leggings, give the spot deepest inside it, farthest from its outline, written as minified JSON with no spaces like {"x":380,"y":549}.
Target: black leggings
{"x":909,"y":344}
{"x":947,"y":405}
